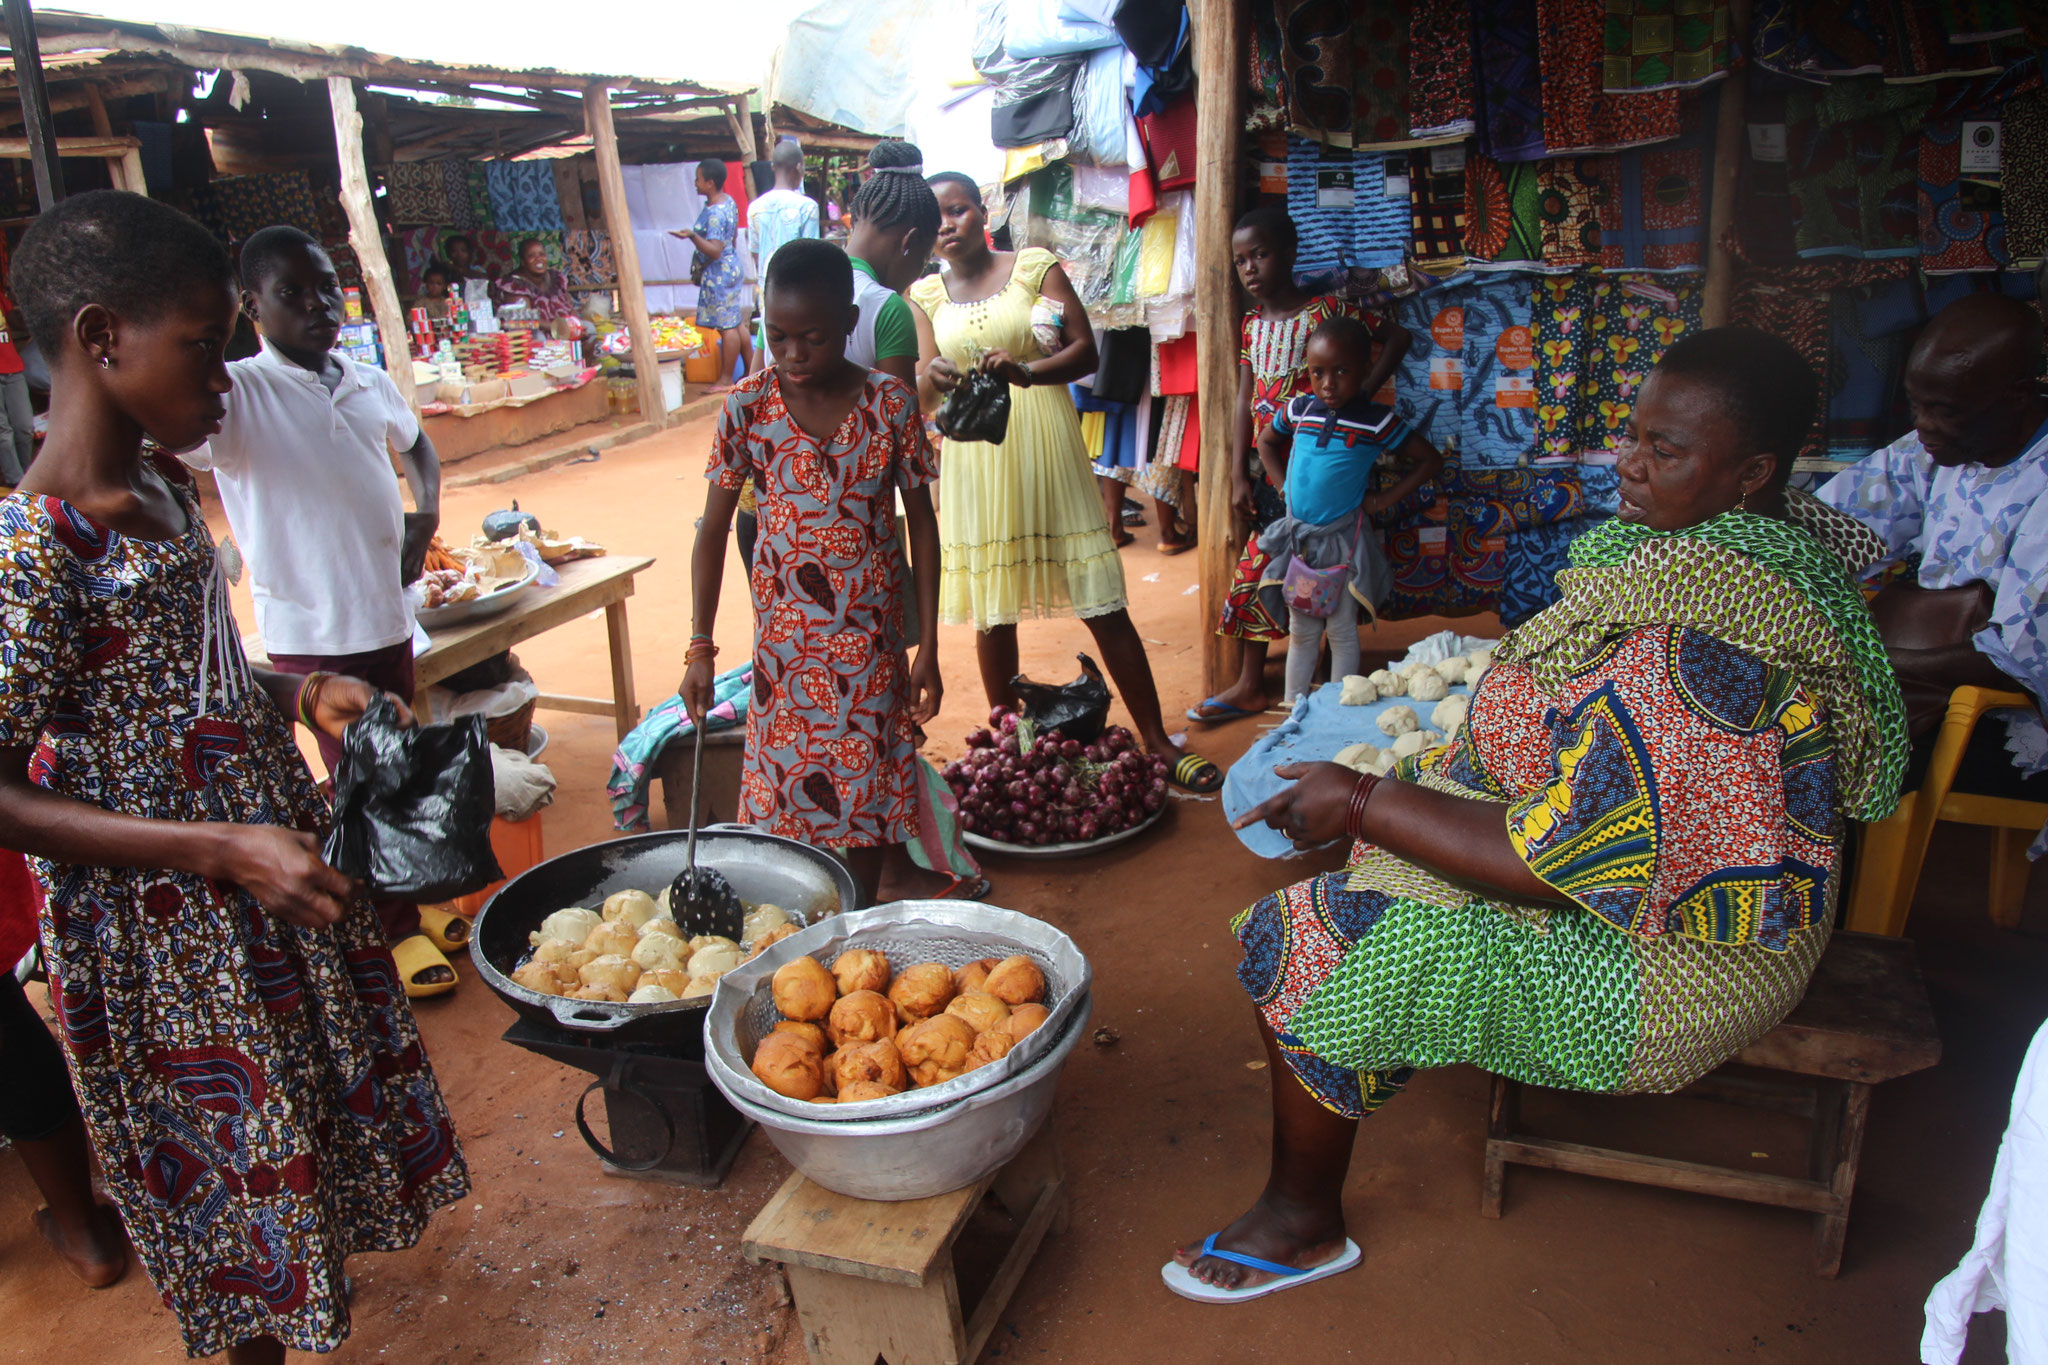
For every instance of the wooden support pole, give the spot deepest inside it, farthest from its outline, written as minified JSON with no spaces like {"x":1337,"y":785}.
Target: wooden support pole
{"x":611,"y":186}
{"x":35,"y":103}
{"x":97,"y":148}
{"x":1219,"y":32}
{"x":736,"y":119}
{"x":102,"y":126}
{"x":1731,"y":144}
{"x":365,"y":237}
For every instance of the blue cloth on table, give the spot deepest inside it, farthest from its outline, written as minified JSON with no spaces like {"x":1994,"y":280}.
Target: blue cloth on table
{"x":523,"y":196}
{"x":633,"y":763}
{"x":1497,"y":415}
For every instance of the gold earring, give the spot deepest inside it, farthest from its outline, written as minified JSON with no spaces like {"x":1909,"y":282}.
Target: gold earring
{"x":1744,"y":504}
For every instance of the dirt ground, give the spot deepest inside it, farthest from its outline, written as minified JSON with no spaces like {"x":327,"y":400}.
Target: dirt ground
{"x":1164,"y":1133}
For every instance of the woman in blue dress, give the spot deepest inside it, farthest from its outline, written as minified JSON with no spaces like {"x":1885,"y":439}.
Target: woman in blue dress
{"x":721,"y":286}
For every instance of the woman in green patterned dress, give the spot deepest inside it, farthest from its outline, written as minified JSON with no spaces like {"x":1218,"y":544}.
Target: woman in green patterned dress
{"x":1623,"y":868}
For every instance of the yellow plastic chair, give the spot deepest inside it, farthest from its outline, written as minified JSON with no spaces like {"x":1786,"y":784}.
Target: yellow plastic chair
{"x":1894,"y":849}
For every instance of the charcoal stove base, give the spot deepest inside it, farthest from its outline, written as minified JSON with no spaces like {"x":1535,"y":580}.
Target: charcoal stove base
{"x":668,"y":1121}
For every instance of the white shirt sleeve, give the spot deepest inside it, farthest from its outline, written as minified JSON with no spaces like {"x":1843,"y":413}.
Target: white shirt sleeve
{"x":1888,"y":493}
{"x":401,"y":425}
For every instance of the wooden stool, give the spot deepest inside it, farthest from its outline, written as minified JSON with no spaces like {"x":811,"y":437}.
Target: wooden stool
{"x":1865,"y":1019}
{"x":877,"y":1279}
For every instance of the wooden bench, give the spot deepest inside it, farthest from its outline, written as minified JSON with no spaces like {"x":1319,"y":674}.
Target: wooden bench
{"x":1865,"y":1019}
{"x":881,"y":1280}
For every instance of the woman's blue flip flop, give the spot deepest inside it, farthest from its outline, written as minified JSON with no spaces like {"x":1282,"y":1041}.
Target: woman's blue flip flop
{"x":1182,"y":1282}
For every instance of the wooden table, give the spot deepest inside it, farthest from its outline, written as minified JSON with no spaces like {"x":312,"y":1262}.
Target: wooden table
{"x":586,"y":585}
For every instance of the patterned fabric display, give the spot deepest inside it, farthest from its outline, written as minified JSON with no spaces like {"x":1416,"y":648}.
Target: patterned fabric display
{"x":1629,"y":323}
{"x":480,"y":212}
{"x":1440,"y":95}
{"x":1503,"y":214}
{"x":1568,"y":211}
{"x":1653,"y":44}
{"x":1652,"y":209}
{"x":1322,"y":234}
{"x":1508,"y":79}
{"x":1431,"y":378}
{"x":1601,"y":486}
{"x":587,"y":259}
{"x":455,"y":186}
{"x":1578,"y":116}
{"x":1853,"y":166}
{"x":1962,"y":226}
{"x":1380,"y":53}
{"x":1437,"y":207}
{"x":236,"y":206}
{"x":1501,"y":501}
{"x":1917,"y":45}
{"x":418,"y":192}
{"x":523,"y":196}
{"x":1873,"y":328}
{"x":1559,"y":308}
{"x":1534,"y":557}
{"x":1318,"y":65}
{"x":2025,"y":188}
{"x":1497,"y":415}
{"x":1788,"y":37}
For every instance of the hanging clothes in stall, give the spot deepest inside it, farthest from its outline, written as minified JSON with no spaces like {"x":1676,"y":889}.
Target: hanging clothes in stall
{"x":523,"y":196}
{"x":1652,"y":209}
{"x":1503,"y":214}
{"x":1853,"y":166}
{"x":1381,"y":59}
{"x":417,"y":192}
{"x":1319,"y":66}
{"x":1817,"y":39}
{"x":1559,"y":307}
{"x":1343,"y":214}
{"x":1430,"y":380}
{"x":1630,"y":321}
{"x":1664,"y":44}
{"x":1916,"y":45}
{"x":1568,"y":211}
{"x":1436,"y":198}
{"x":1578,"y":115}
{"x":1962,"y":222}
{"x":1534,"y":558}
{"x":2025,"y":188}
{"x":1507,"y":79}
{"x":1497,"y":410}
{"x":1440,"y":94}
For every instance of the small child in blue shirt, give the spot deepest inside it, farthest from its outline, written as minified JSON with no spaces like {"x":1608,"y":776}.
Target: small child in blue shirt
{"x":1321,"y":450}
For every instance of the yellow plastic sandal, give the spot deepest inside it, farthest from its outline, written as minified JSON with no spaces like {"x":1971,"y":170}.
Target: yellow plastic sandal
{"x":448,"y":930}
{"x":418,"y":960}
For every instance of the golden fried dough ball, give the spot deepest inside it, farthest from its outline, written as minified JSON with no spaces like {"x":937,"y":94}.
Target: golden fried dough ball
{"x":698,"y":986}
{"x":1017,"y":981}
{"x":629,"y":907}
{"x":770,"y":939}
{"x":613,"y":938}
{"x":665,"y":927}
{"x":861,"y":1017}
{"x":981,"y":1010}
{"x":539,"y":976}
{"x":1025,"y":1019}
{"x":647,"y":993}
{"x":866,"y":1090}
{"x":659,"y":952}
{"x":936,"y":1049}
{"x":809,"y":1033}
{"x":714,"y":960}
{"x":988,"y":1047}
{"x":858,"y":969}
{"x":922,"y":991}
{"x":803,"y":989}
{"x":563,"y":959}
{"x":877,"y":1061}
{"x":761,"y":920}
{"x":611,"y":972}
{"x":703,"y":941}
{"x":786,"y":1066}
{"x":611,"y":994}
{"x":974,"y":976}
{"x":672,"y":979}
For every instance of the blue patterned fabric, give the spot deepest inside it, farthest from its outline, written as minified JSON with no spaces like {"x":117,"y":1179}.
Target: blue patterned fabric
{"x":719,"y":295}
{"x":1534,"y":558}
{"x":1601,"y":487}
{"x":1369,"y":233}
{"x":523,"y":197}
{"x":1497,"y":416}
{"x":1430,"y":410}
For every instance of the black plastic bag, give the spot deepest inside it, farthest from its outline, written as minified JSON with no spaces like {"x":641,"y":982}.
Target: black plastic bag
{"x":1076,"y":710}
{"x":413,"y":808}
{"x":979,"y":410}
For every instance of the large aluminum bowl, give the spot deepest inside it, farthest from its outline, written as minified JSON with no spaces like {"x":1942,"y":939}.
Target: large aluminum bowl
{"x":929,"y":1153}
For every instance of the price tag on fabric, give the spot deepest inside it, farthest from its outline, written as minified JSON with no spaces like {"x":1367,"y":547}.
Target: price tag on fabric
{"x":1447,"y":160}
{"x":1447,"y":372}
{"x":1335,"y":182}
{"x":1981,"y":153}
{"x":1514,"y":391}
{"x":1516,"y":349}
{"x":1767,"y":142}
{"x":1397,"y":186}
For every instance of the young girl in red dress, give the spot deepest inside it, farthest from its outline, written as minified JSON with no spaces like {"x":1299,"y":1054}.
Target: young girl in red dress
{"x":831,"y":734}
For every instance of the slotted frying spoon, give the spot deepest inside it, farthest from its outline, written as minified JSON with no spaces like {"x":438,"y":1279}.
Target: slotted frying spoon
{"x":701,"y":899}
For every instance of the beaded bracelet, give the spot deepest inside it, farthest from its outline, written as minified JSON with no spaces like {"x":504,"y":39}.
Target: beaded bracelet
{"x":700,"y":649}
{"x":1354,"y":814}
{"x":309,"y":697}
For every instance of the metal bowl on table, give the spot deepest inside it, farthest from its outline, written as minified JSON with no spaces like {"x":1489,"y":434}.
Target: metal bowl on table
{"x":490,"y":604}
{"x":807,"y":882}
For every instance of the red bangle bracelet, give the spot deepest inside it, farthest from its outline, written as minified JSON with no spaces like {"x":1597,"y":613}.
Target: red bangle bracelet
{"x":1354,"y":814}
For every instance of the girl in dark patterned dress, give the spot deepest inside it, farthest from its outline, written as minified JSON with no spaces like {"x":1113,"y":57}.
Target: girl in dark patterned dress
{"x":241,"y":1046}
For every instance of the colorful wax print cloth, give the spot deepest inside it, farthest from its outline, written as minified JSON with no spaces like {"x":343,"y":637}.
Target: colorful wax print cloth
{"x":1873,"y":329}
{"x":256,"y":1091}
{"x":417,"y":192}
{"x":479,"y":186}
{"x":1568,"y":211}
{"x":1503,"y":214}
{"x":1651,"y":204}
{"x":2024,"y":189}
{"x":1507,"y":79}
{"x":1578,"y":115}
{"x":1535,"y":556}
{"x":236,"y":206}
{"x":1318,"y":66}
{"x":1343,"y":215}
{"x":1497,"y":414}
{"x":721,"y":293}
{"x":1917,"y":45}
{"x":1430,"y":382}
{"x":1600,"y":485}
{"x":1560,"y":308}
{"x":1381,"y":63}
{"x":1962,"y":223}
{"x":1664,"y":44}
{"x":455,"y":185}
{"x":633,"y":771}
{"x":523,"y":197}
{"x":1276,"y":351}
{"x":1853,"y":167}
{"x":1818,"y":39}
{"x":1969,"y":523}
{"x":831,"y":749}
{"x":1629,"y":324}
{"x":1502,"y":501}
{"x":1436,"y":188}
{"x":1440,"y":93}
{"x":587,"y":259}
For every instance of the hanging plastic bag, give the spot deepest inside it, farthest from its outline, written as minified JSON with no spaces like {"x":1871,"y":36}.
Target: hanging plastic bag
{"x":979,"y":410}
{"x":1077,"y":710}
{"x":412,"y":808}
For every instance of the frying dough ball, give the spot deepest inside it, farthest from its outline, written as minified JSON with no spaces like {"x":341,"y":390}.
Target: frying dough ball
{"x":698,"y":987}
{"x":974,"y":976}
{"x":564,"y":960}
{"x":571,"y":926}
{"x":988,"y":1047}
{"x":659,"y":952}
{"x":674,"y":980}
{"x":616,"y":939}
{"x":862,"y":1017}
{"x":860,"y":969}
{"x":935,"y":1049}
{"x":1428,"y":685}
{"x":760,"y":920}
{"x":1358,"y":691}
{"x":1454,"y":669}
{"x":538,"y":976}
{"x":1025,"y":1019}
{"x":665,"y":927}
{"x":703,"y":941}
{"x":714,"y":960}
{"x":803,"y":989}
{"x":610,"y":994}
{"x":922,"y":991}
{"x":1399,"y":720}
{"x":878,"y":1061}
{"x":1017,"y":981}
{"x":809,"y":1033}
{"x":650,"y":994}
{"x":633,"y":907}
{"x":980,"y":1009}
{"x":788,"y":1067}
{"x":1450,"y":713}
{"x":611,"y":972}
{"x":1357,"y":757}
{"x":769,"y":940}
{"x":1388,"y":683}
{"x":866,"y":1090}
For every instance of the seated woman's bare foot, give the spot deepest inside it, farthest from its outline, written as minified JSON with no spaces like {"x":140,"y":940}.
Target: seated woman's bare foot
{"x":1298,"y":1238}
{"x":97,"y":1255}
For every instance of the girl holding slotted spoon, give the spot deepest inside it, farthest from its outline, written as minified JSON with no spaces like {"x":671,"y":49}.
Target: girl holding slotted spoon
{"x":831,"y":747}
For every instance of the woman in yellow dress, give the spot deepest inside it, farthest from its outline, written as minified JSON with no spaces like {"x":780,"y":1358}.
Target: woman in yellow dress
{"x":1021,"y":525}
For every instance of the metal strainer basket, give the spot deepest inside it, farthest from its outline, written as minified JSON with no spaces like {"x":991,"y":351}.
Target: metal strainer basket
{"x":906,"y":932}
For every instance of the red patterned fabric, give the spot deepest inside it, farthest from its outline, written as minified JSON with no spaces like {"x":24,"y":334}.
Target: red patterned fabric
{"x":1579,"y":116}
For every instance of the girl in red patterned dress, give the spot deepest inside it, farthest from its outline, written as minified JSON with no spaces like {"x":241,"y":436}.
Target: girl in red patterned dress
{"x":831,"y":735}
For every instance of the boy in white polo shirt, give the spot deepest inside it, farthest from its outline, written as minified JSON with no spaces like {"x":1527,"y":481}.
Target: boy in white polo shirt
{"x":303,"y":462}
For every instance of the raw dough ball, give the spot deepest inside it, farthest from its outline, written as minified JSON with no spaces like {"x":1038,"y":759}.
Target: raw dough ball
{"x":1388,"y":684}
{"x":634,"y":907}
{"x":761,"y":919}
{"x":1017,"y":981}
{"x":1025,"y":1019}
{"x":862,"y":1017}
{"x":770,"y":939}
{"x":1382,"y":765}
{"x":651,"y":994}
{"x":922,"y":991}
{"x":1358,"y":691}
{"x":659,"y":952}
{"x":866,"y":1090}
{"x":665,"y":927}
{"x":610,"y":994}
{"x":1358,"y":757}
{"x":979,"y":1009}
{"x":714,"y":960}
{"x":803,"y":989}
{"x":618,"y":938}
{"x":1410,"y":671}
{"x":788,"y":1067}
{"x":611,"y":971}
{"x":878,"y":1061}
{"x":1482,"y":660}
{"x":703,"y":941}
{"x":809,"y":1033}
{"x":858,"y":969}
{"x":1454,"y":669}
{"x":1399,"y":720}
{"x":974,"y":976}
{"x":570,"y":926}
{"x":1415,"y":741}
{"x":697,"y":987}
{"x":674,"y":980}
{"x":1428,"y":685}
{"x":935,"y":1050}
{"x":538,"y":976}
{"x":988,"y":1047}
{"x":1450,"y":713}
